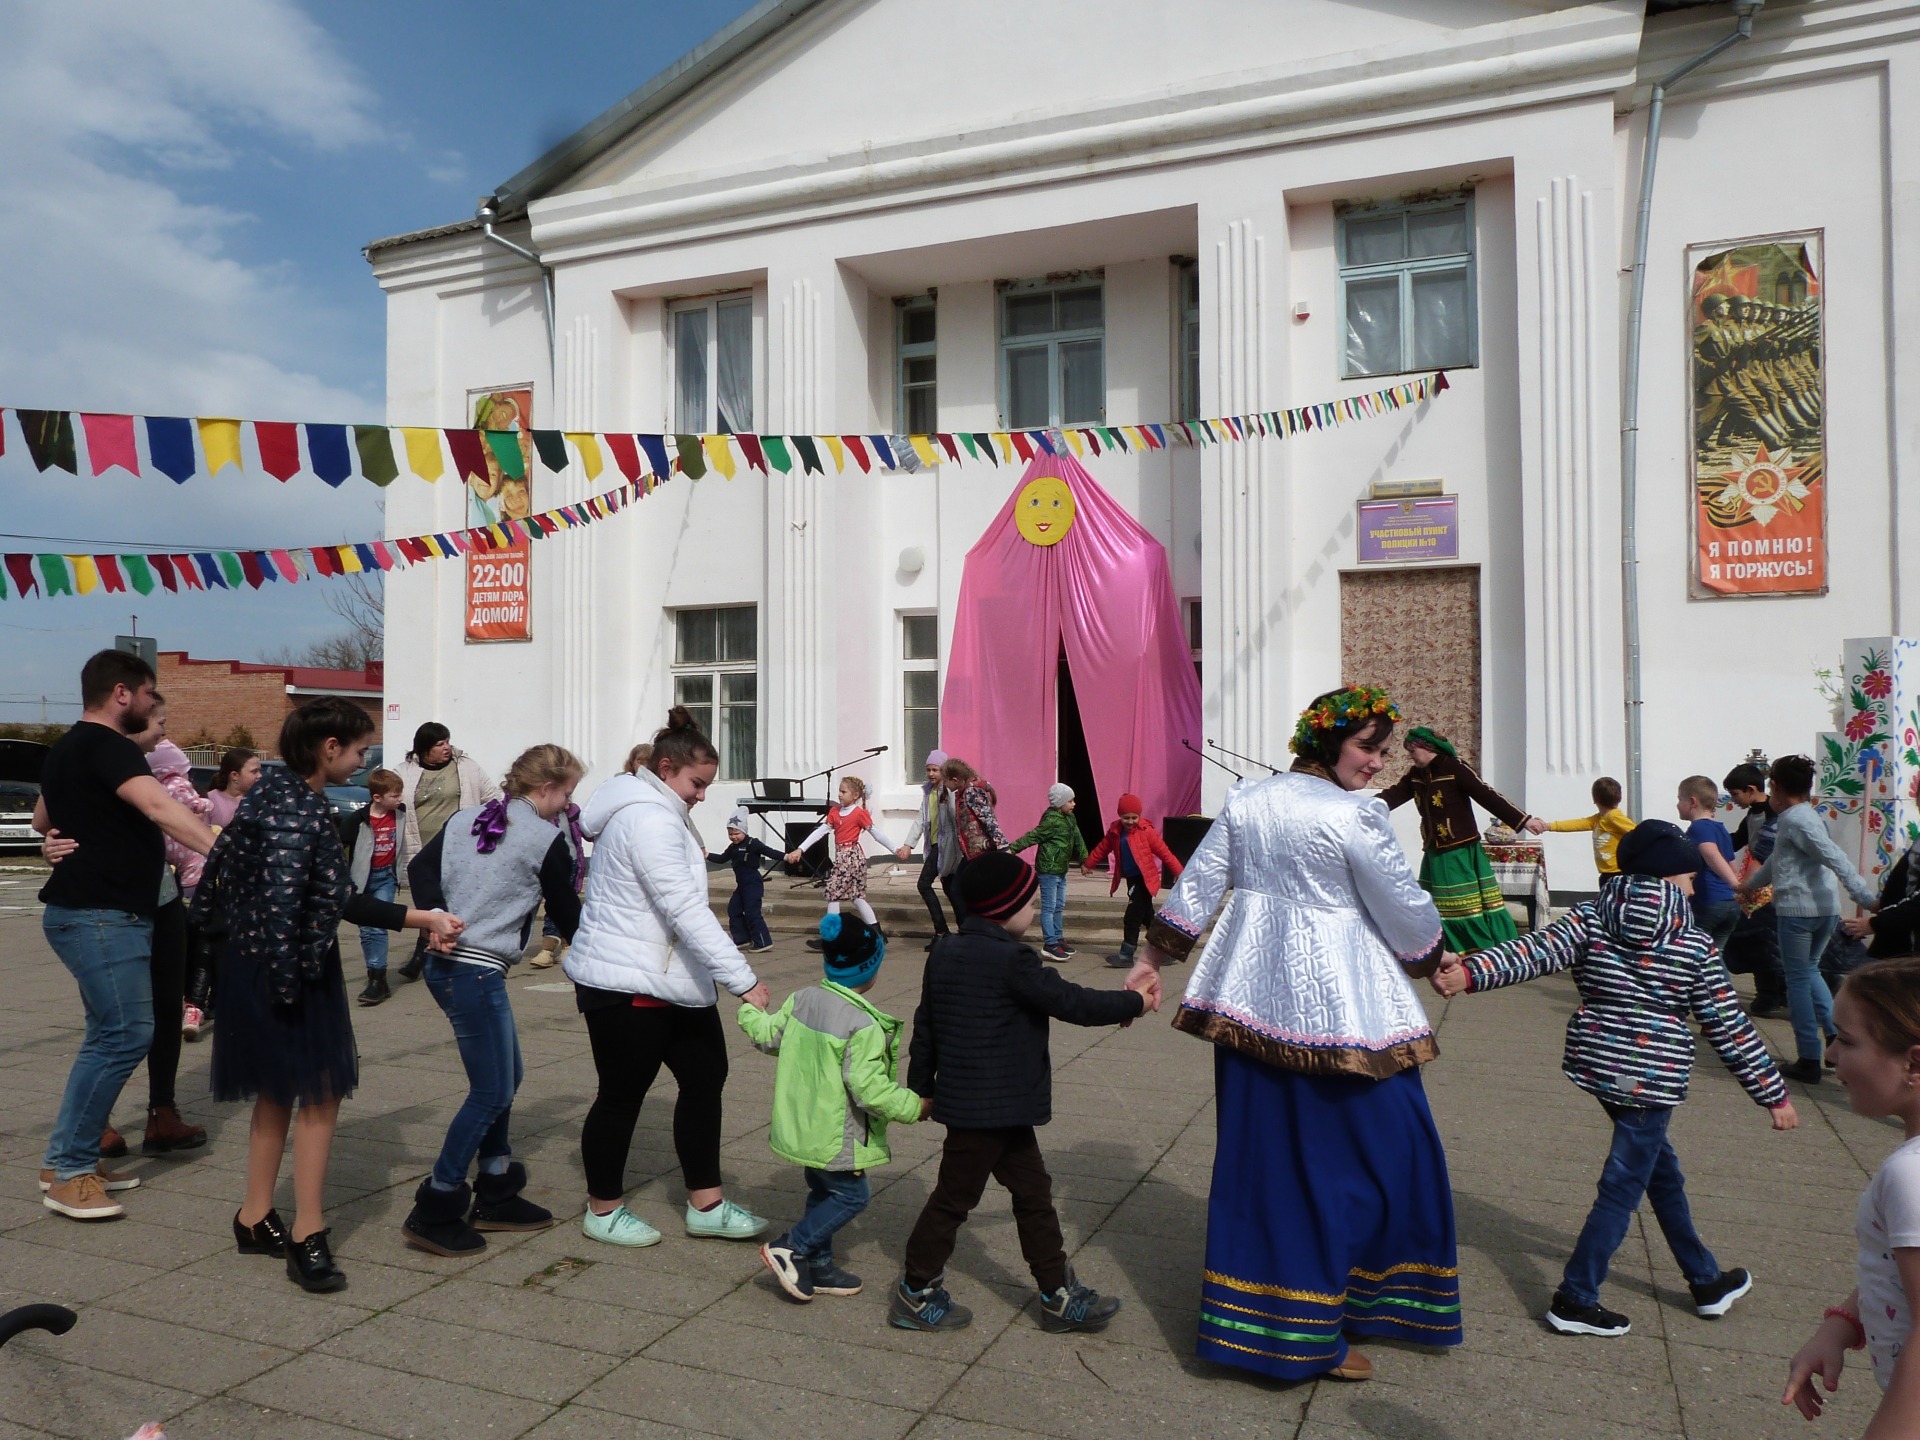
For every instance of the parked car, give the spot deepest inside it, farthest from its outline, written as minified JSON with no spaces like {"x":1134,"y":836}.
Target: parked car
{"x":20,"y":765}
{"x":203,"y":777}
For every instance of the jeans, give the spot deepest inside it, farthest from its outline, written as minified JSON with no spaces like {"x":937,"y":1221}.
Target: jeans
{"x":1718,"y":918}
{"x":833,"y":1198}
{"x":930,"y":873}
{"x":474,"y":998}
{"x":745,"y":923}
{"x":1803,"y":940}
{"x":1641,"y":1161}
{"x":109,"y":954}
{"x":1053,"y":909}
{"x":381,"y":885}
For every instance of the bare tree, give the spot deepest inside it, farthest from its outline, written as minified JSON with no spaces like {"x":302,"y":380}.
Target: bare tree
{"x":359,"y":600}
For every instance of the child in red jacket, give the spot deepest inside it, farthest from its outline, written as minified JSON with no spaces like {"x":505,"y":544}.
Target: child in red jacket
{"x":1138,"y":853}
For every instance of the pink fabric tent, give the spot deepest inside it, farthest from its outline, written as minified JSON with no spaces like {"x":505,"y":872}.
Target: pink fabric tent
{"x":1105,"y":591}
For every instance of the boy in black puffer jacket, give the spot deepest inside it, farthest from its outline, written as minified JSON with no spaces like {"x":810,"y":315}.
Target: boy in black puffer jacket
{"x":979,"y":1051}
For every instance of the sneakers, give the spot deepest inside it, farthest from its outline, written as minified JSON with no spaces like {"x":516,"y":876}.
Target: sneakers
{"x":619,"y":1226}
{"x":1768,"y":1009}
{"x":1570,"y":1317}
{"x":1056,"y":952}
{"x":192,"y":1021}
{"x":109,"y":1179}
{"x":1076,"y":1307}
{"x":1122,"y":959}
{"x":377,"y":989}
{"x":760,"y":949}
{"x":81,"y":1198}
{"x":1716,"y":1297}
{"x":830,"y":1279}
{"x":794,"y":1274}
{"x":726,"y":1221}
{"x":166,"y":1131}
{"x":928,"y":1309}
{"x":549,"y":955}
{"x":1807,"y":1072}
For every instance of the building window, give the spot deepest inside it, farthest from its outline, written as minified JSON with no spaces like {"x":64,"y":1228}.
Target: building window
{"x":919,"y":692}
{"x":1407,"y":288}
{"x":712,"y":342}
{"x":1188,"y":272}
{"x":716,"y":675}
{"x":918,"y":405}
{"x":1052,"y":353}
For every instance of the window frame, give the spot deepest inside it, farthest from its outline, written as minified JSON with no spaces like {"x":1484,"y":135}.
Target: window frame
{"x":1186,"y":330}
{"x":712,"y":304}
{"x":914,"y":765}
{"x":1053,"y":340}
{"x":905,"y":350}
{"x":716,"y":670}
{"x":1405,"y":269}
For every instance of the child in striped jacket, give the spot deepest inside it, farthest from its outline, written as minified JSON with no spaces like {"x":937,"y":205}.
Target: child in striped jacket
{"x":1642,"y":967}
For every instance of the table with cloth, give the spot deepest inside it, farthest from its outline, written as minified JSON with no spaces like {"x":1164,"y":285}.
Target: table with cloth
{"x":1520,"y":869}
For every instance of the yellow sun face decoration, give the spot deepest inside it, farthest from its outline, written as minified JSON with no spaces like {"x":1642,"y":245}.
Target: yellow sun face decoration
{"x":1044,"y":512}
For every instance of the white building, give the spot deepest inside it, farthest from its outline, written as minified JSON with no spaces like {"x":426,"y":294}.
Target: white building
{"x":871,"y":214}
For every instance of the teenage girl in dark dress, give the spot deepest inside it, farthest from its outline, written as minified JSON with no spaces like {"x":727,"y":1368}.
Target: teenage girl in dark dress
{"x":277,"y":879}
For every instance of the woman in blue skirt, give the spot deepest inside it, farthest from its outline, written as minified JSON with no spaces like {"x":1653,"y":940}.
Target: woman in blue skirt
{"x":1331,"y":1216}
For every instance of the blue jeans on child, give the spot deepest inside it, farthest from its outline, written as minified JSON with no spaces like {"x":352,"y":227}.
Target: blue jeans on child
{"x":1053,"y":909}
{"x":833,"y":1198}
{"x":109,"y":953}
{"x":474,"y":998}
{"x":1718,"y":918}
{"x":1640,"y":1162}
{"x":381,"y":885}
{"x":1803,"y":940}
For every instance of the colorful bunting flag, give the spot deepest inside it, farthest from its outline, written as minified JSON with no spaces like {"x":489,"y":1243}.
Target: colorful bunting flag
{"x":110,"y":443}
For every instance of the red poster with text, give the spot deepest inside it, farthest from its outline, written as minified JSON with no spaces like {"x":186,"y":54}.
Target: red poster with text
{"x":500,"y":595}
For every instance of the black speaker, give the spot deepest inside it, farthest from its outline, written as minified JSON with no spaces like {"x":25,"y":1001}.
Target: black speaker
{"x":813,"y":862}
{"x":1183,"y":833}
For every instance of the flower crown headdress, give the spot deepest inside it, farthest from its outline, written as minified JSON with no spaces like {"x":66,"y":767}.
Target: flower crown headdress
{"x":1357,"y":702}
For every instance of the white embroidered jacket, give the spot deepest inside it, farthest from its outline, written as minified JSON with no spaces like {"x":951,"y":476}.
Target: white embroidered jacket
{"x":1308,"y":967}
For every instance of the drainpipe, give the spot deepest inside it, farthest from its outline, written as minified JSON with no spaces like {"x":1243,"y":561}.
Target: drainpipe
{"x":486,"y":215}
{"x":1630,"y":399}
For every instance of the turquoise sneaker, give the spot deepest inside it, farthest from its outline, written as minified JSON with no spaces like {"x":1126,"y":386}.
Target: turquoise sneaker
{"x":619,"y":1227}
{"x":726,"y":1221}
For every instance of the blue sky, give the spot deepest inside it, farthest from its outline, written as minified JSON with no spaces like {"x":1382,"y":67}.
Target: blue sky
{"x":189,"y":188}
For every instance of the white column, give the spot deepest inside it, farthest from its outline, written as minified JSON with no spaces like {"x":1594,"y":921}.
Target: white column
{"x":576,"y":552}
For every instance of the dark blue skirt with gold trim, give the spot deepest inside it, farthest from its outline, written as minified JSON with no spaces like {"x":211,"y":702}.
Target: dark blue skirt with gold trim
{"x":1331,"y":1217}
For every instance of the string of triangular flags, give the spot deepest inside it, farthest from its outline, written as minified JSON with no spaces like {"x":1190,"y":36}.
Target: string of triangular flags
{"x":59,"y":574}
{"x":180,"y":447}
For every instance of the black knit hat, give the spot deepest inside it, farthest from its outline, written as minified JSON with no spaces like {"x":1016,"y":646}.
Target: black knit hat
{"x":1658,"y":848}
{"x":997,"y":883}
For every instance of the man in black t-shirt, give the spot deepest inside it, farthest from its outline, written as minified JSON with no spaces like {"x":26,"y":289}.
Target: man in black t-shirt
{"x":96,"y":790}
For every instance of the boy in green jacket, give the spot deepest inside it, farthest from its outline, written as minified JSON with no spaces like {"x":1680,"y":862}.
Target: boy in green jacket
{"x":1061,"y":847}
{"x":832,"y":1098}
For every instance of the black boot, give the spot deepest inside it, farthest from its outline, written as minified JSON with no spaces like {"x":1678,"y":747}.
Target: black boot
{"x":411,"y":970}
{"x":376,"y":990}
{"x":438,"y":1223}
{"x":499,"y":1205}
{"x":310,"y":1264}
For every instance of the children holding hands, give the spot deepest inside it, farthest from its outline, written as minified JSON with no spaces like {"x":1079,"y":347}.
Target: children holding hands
{"x":1642,"y":968}
{"x":847,"y":880}
{"x":1608,"y":823}
{"x":1138,"y":853}
{"x":1877,"y":1057}
{"x":745,"y":922}
{"x":833,"y":1097}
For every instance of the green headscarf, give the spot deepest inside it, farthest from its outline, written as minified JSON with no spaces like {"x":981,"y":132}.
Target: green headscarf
{"x":1421,"y":735}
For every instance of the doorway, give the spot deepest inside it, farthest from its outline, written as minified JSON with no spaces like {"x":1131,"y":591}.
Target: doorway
{"x":1073,"y":765}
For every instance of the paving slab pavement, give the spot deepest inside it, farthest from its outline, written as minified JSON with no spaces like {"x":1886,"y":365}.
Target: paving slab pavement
{"x":553,"y":1337}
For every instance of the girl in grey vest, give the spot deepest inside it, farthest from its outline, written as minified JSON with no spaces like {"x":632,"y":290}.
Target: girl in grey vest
{"x":500,"y":860}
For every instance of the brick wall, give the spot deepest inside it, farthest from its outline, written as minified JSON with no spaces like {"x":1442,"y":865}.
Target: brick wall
{"x":211,"y":697}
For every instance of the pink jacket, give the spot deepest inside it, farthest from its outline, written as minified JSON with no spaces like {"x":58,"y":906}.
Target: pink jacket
{"x":169,"y":764}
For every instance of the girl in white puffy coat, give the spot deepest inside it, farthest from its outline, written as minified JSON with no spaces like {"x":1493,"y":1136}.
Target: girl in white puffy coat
{"x":647,"y":964}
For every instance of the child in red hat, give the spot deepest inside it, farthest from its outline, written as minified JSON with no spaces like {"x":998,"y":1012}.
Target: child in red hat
{"x":1137,"y":853}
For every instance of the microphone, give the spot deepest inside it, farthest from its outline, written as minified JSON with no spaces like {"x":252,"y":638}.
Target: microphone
{"x":876,"y":749}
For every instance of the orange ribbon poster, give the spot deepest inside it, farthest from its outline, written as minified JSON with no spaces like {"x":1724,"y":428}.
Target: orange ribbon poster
{"x":1759,"y":423}
{"x":499,"y":483}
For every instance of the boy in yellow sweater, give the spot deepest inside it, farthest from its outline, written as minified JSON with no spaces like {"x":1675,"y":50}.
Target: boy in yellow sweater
{"x":1608,"y":823}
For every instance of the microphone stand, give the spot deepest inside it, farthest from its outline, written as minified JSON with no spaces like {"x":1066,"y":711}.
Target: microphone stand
{"x":1211,"y":761}
{"x":1248,"y":758}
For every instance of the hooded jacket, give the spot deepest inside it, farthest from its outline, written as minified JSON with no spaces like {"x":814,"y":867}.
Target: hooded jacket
{"x":169,"y":764}
{"x":1642,"y":968}
{"x":645,"y":924}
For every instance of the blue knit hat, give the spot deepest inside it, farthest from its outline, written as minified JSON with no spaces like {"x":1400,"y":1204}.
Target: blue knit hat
{"x":850,"y":950}
{"x":1658,"y":848}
